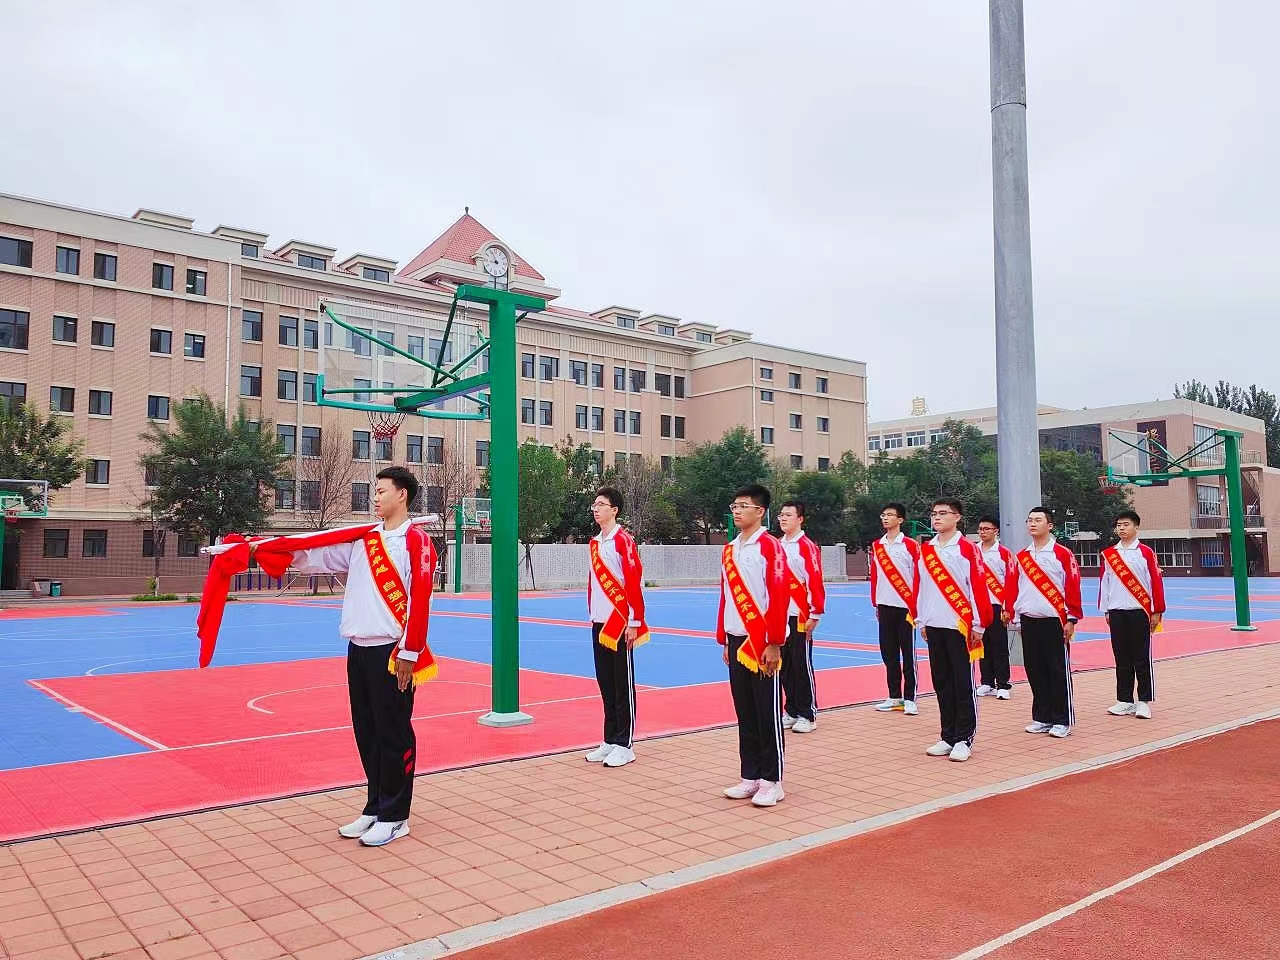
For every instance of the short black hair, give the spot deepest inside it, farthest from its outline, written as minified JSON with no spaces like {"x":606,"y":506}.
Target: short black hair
{"x":758,"y":495}
{"x":898,"y":508}
{"x":1048,"y":514}
{"x":613,"y":495}
{"x":987,"y":518}
{"x":950,"y":503}
{"x":403,"y":479}
{"x":796,"y":505}
{"x":1131,"y":515}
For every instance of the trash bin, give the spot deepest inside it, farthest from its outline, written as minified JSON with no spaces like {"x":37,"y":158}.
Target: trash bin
{"x":55,"y":588}
{"x":40,"y":587}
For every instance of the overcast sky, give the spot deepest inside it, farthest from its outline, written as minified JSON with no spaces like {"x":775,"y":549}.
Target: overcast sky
{"x":817,"y":173}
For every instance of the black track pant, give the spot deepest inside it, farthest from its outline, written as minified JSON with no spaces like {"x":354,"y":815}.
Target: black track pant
{"x":1047,"y":659}
{"x":1131,"y":644}
{"x":797,"y":674}
{"x":757,"y":702}
{"x":616,"y":676}
{"x":995,"y":653}
{"x":897,"y":649}
{"x":952,"y":674}
{"x":381,"y":718}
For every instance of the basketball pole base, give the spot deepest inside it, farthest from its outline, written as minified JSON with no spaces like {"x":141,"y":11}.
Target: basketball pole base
{"x":492,"y":719}
{"x":1239,"y":629}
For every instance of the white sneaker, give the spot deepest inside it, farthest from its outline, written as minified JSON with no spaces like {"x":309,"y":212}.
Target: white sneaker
{"x":383,"y":832}
{"x":803,"y":726}
{"x":1035,"y":726}
{"x":986,"y":690}
{"x":788,"y":721}
{"x":940,"y":749}
{"x":960,"y":752}
{"x":909,"y":708}
{"x":356,"y":827}
{"x":1003,"y":694}
{"x":1059,"y":730}
{"x":1142,"y":711}
{"x":891,"y":704}
{"x":599,"y":753}
{"x":743,"y":790}
{"x":619,"y":757}
{"x":768,"y":795}
{"x":1120,"y":709}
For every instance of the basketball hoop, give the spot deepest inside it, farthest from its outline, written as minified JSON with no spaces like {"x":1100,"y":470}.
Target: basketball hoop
{"x":1107,"y":485}
{"x":385,"y":426}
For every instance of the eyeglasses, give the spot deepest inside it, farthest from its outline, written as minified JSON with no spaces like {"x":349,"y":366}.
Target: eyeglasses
{"x":739,"y":507}
{"x":941,"y":513}
{"x":601,"y":503}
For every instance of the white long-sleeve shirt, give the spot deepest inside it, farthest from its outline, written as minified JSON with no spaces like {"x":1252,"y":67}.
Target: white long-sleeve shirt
{"x":1141,"y":559}
{"x":996,"y":559}
{"x":961,"y":558}
{"x":903,"y":553}
{"x":598,"y":603}
{"x":751,"y":564}
{"x":367,"y":621}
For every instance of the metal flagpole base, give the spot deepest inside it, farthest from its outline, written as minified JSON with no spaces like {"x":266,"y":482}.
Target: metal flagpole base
{"x":491,"y":719}
{"x":1244,"y":629}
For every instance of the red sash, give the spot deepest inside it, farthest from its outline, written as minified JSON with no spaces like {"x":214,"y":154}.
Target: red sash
{"x":1040,"y":580}
{"x":392,"y":590}
{"x":751,"y":653}
{"x":955,"y":598}
{"x":994,"y":585}
{"x":894,"y":576}
{"x":1124,"y":573}
{"x":616,"y":626}
{"x":800,"y":597}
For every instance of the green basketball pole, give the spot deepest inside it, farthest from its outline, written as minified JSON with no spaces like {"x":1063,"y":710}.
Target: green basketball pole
{"x":457,"y":548}
{"x":504,"y":491}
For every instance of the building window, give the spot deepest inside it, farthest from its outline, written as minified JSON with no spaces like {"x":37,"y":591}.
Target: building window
{"x":157,"y":408}
{"x":1210,"y":454}
{"x":679,"y":428}
{"x":249,"y":250}
{"x":12,"y":393}
{"x":797,"y":462}
{"x":309,"y":494}
{"x":197,"y":282}
{"x":98,"y":473}
{"x":1172,"y":553}
{"x":55,"y":543}
{"x":288,"y":331}
{"x":251,"y":326}
{"x":388,"y":337}
{"x":14,"y":252}
{"x":94,"y":544}
{"x":62,"y":399}
{"x":916,"y":438}
{"x":766,"y":396}
{"x":526,"y":410}
{"x":193,"y":346}
{"x":893,"y":441}
{"x":104,"y":266}
{"x":766,"y":373}
{"x":311,"y":441}
{"x":1211,"y":556}
{"x":679,"y":388}
{"x":311,"y":334}
{"x":580,"y":417}
{"x":250,"y":381}
{"x":662,"y":383}
{"x":161,"y":341}
{"x":1086,"y":552}
{"x":413,"y":449}
{"x":638,"y":379}
{"x":68,"y":261}
{"x":793,"y":381}
{"x":15,"y":326}
{"x":162,"y":276}
{"x":937,"y":435}
{"x":597,"y":375}
{"x":382,"y":449}
{"x":620,"y":378}
{"x":64,"y":329}
{"x":548,"y":368}
{"x":434,"y":499}
{"x":287,"y":434}
{"x":360,"y":498}
{"x":150,"y":475}
{"x":796,"y":421}
{"x":544,"y":412}
{"x":824,"y":464}
{"x":376,"y":273}
{"x":358,"y":382}
{"x":702,"y":336}
{"x":578,"y":371}
{"x":188,"y":546}
{"x":635,"y":423}
{"x":664,"y":426}
{"x":100,"y":403}
{"x":597,"y":418}
{"x":307,"y":262}
{"x":309,"y":385}
{"x":360,"y":444}
{"x":150,"y":546}
{"x":666,"y":330}
{"x":619,"y":421}
{"x":482,"y":453}
{"x":442,"y":352}
{"x":287,"y":385}
{"x":102,"y":333}
{"x":626,"y":323}
{"x":620,"y":458}
{"x":824,"y":424}
{"x":665,"y":464}
{"x":821,"y":385}
{"x":1208,"y":500}
{"x":766,"y":436}
{"x":284,"y":495}
{"x":526,"y":365}
{"x":597,"y":462}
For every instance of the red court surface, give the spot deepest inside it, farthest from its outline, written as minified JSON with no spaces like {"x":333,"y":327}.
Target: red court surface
{"x":956,"y":883}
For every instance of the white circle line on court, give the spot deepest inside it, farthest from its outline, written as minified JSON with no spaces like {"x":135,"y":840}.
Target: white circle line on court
{"x":506,"y":927}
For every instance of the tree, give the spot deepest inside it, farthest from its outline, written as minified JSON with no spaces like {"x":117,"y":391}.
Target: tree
{"x":648,"y":510}
{"x":328,"y":477}
{"x":446,"y":481}
{"x":543,"y":487}
{"x":1253,"y":402}
{"x":1069,"y":486}
{"x":575,"y":523}
{"x":36,"y":446}
{"x":213,"y":477}
{"x":707,"y":478}
{"x":823,"y":496}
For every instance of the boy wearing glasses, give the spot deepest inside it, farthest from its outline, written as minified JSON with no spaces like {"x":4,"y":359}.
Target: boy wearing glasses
{"x":996,"y":558}
{"x":615,"y":601}
{"x":893,"y":584}
{"x":954,"y":611}
{"x":752,"y":628}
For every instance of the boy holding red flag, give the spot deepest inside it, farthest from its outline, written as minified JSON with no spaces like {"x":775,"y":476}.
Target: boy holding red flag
{"x":1131,"y":595}
{"x":893,"y":585}
{"x":953,"y":611}
{"x":615,"y":602}
{"x":1044,"y":596}
{"x":752,"y":628}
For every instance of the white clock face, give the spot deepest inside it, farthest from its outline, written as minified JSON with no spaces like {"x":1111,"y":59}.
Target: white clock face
{"x":494,"y":262}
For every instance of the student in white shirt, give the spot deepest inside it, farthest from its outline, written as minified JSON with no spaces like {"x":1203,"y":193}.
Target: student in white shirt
{"x":807,"y":606}
{"x":1131,"y":595}
{"x":893,"y":581}
{"x":996,"y":558}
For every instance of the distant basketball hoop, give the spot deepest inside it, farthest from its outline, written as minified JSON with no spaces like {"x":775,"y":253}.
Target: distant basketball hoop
{"x":1108,"y":485}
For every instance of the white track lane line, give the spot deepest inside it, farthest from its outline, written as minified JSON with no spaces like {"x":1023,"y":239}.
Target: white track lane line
{"x":1051,"y":918}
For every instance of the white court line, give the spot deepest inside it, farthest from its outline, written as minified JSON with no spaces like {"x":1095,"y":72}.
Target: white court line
{"x":1051,"y":918}
{"x":77,"y":708}
{"x":253,"y":704}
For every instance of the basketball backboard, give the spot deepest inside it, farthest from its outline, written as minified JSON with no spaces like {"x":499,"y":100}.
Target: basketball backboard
{"x":25,"y":498}
{"x":1128,"y":454}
